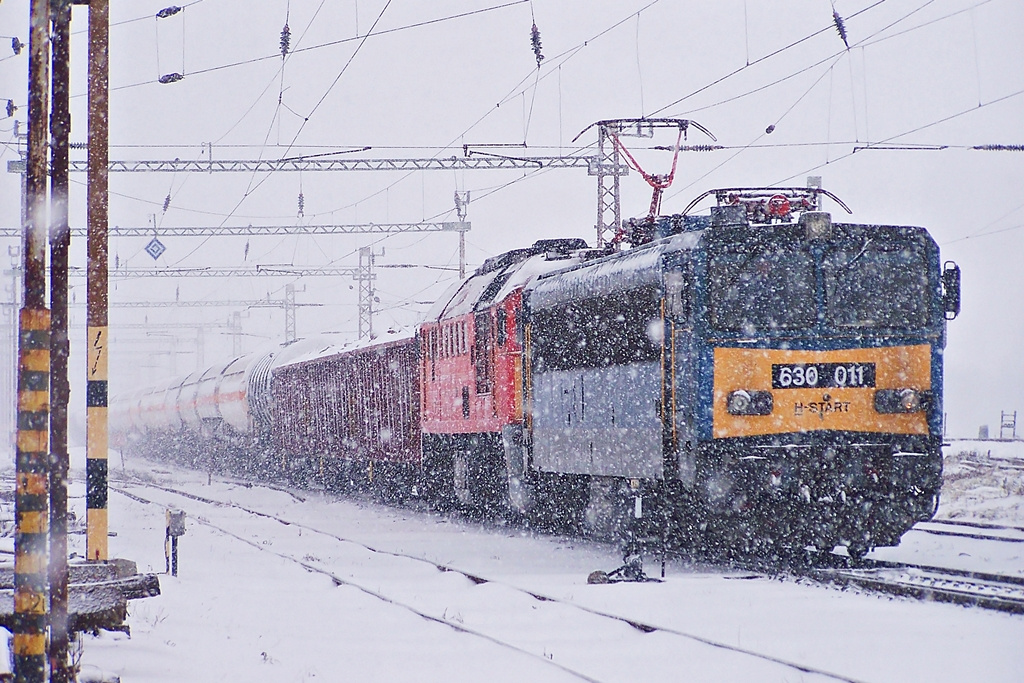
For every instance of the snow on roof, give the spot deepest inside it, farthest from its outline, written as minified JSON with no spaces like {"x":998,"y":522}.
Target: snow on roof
{"x":533,"y":268}
{"x":624,"y":270}
{"x":326,"y":345}
{"x":465,"y":297}
{"x":292,"y":353}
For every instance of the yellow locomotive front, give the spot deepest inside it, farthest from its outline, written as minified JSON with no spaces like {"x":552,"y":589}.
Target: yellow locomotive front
{"x":832,"y":390}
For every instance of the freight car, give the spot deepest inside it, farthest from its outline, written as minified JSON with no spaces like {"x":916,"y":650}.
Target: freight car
{"x":219,"y":417}
{"x":759,"y":378}
{"x":350,"y":415}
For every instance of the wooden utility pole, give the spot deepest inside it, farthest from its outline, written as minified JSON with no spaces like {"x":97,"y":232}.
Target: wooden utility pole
{"x":96,"y":372}
{"x":60,"y":391}
{"x":31,"y":495}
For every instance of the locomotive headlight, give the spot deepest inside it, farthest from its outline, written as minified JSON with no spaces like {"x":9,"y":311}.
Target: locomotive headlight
{"x":739,"y":402}
{"x":743,"y":402}
{"x":901,"y":400}
{"x":910,"y":400}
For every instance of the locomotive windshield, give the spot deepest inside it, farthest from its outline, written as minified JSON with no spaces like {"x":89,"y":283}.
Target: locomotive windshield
{"x":867,"y":284}
{"x":876,"y":285}
{"x":762,"y":290}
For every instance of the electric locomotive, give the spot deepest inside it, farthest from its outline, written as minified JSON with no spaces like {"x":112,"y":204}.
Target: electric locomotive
{"x":758,"y":377}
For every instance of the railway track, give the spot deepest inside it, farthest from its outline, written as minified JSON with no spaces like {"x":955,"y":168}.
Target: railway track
{"x":538,"y":600}
{"x":976,"y":530}
{"x":922,"y":582}
{"x":941,"y":584}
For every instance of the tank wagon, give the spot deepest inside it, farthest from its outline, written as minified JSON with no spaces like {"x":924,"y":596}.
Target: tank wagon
{"x":758,"y":377}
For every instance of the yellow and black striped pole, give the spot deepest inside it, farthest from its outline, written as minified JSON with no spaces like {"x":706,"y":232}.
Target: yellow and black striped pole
{"x":96,"y":446}
{"x":32,"y":496}
{"x":31,"y":606}
{"x":96,"y":373}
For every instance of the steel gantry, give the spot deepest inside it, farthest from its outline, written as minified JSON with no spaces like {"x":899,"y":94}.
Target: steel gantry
{"x":269,"y":230}
{"x":472,"y":161}
{"x":605,"y":163}
{"x":288,"y":304}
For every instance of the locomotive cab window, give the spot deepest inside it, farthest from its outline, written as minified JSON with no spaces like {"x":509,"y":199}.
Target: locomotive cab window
{"x":500,"y":324}
{"x":869,"y":284}
{"x":765,"y":289}
{"x":482,"y":357}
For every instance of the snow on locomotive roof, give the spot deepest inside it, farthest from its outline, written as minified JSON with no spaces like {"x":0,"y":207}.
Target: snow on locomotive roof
{"x":533,"y":268}
{"x":501,"y":275}
{"x":622,"y":270}
{"x":463,"y":299}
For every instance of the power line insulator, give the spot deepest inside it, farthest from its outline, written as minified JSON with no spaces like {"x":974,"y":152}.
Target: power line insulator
{"x":11,"y":108}
{"x":535,"y":43}
{"x":168,"y":12}
{"x":17,"y":46}
{"x":167,"y":202}
{"x":302,"y":205}
{"x":171,"y":78}
{"x":461,"y":204}
{"x":840,"y":27}
{"x":286,"y":40}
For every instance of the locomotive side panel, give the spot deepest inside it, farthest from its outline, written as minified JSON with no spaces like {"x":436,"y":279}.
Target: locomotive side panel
{"x":599,"y":421}
{"x":596,"y":369}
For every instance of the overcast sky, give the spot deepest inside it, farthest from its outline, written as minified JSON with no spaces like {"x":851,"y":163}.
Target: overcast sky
{"x":918,"y":72}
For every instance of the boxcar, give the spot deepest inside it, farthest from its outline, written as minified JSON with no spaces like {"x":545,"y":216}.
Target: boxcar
{"x":350,"y":413}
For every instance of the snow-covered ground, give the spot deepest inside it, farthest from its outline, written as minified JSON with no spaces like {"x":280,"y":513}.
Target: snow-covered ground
{"x":342,"y":592}
{"x":984,"y":480}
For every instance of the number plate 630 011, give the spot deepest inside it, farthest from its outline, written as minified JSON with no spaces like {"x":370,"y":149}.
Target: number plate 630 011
{"x":804,"y":375}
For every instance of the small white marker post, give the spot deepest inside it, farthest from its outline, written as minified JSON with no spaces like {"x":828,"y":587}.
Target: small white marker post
{"x":175,"y":528}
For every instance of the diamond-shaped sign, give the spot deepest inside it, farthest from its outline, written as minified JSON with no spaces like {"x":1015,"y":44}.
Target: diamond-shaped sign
{"x":155,"y":248}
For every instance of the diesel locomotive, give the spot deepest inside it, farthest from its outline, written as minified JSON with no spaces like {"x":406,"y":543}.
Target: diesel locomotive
{"x":761,"y":376}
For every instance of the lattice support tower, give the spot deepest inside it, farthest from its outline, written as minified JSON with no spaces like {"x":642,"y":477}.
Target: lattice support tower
{"x":1007,"y":426}
{"x":289,"y":312}
{"x":606,"y":167}
{"x":364,"y":280}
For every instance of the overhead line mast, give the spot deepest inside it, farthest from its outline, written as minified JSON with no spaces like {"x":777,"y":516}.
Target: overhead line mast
{"x":60,"y":346}
{"x":96,"y":336}
{"x":31,"y":608}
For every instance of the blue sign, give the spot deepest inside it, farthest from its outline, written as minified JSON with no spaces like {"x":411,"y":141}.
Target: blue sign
{"x":155,"y":248}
